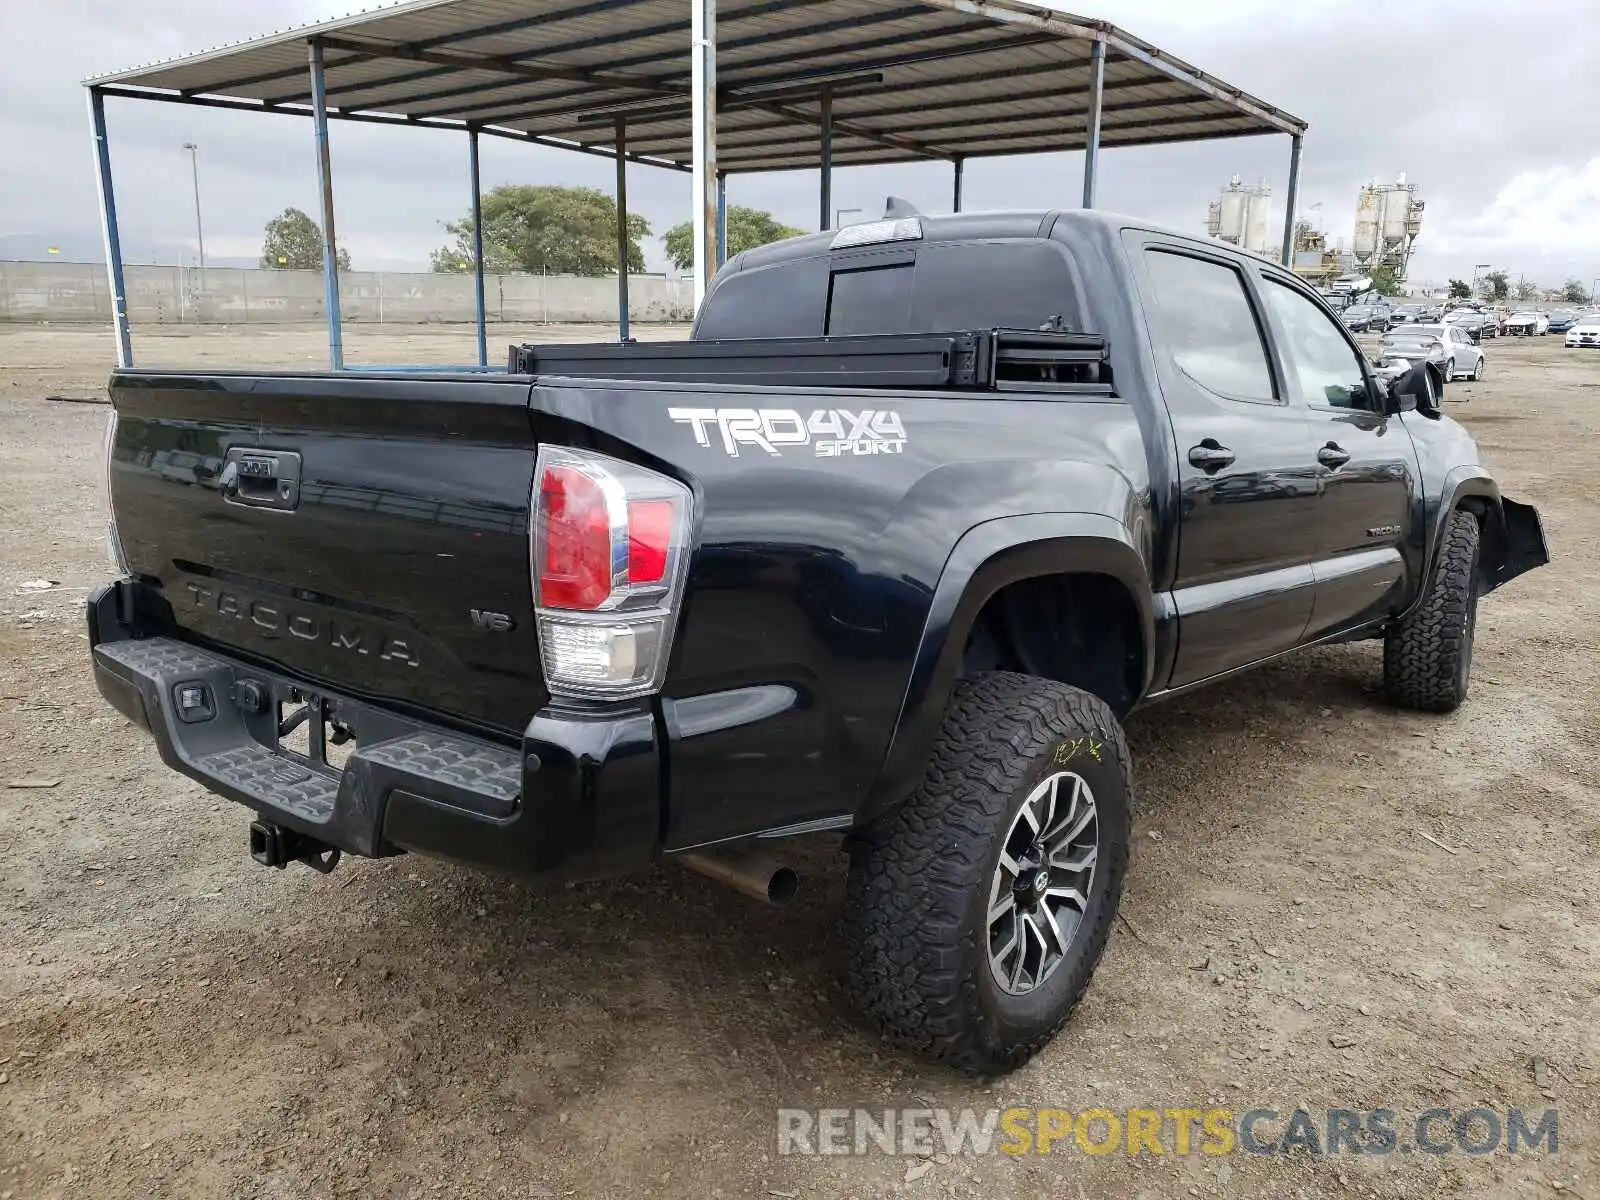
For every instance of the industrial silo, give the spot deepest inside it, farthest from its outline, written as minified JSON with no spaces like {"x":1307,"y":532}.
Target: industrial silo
{"x":1388,"y":219}
{"x":1240,"y":215}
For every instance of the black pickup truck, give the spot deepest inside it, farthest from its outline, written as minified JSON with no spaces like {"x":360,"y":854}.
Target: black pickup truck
{"x":888,"y":548}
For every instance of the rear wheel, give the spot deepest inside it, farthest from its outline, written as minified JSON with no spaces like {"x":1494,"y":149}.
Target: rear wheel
{"x":1427,"y":658}
{"x":1449,"y":369}
{"x":978,"y":909}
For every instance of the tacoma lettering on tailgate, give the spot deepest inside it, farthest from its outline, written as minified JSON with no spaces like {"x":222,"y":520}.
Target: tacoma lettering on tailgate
{"x":270,"y":618}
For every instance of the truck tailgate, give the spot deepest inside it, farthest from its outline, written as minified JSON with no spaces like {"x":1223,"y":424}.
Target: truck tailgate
{"x":367,"y":533}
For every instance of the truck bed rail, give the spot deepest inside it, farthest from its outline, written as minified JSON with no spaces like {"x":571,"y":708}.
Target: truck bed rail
{"x":995,"y":359}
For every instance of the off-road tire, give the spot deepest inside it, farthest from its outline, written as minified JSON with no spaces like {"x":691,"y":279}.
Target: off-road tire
{"x":1427,"y":658}
{"x":916,"y":922}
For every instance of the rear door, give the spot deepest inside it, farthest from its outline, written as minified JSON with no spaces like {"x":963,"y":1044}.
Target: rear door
{"x":1366,"y":461}
{"x":366,"y":533}
{"x":1247,"y":466}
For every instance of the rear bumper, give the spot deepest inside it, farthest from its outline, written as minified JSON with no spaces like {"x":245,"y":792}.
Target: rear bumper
{"x":578,"y":798}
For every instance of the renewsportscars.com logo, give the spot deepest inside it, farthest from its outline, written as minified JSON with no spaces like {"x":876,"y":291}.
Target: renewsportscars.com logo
{"x":831,"y":432}
{"x":1174,"y":1131}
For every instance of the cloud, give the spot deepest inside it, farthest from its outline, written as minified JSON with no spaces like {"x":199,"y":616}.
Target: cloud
{"x":1550,"y":211}
{"x":1442,"y":95}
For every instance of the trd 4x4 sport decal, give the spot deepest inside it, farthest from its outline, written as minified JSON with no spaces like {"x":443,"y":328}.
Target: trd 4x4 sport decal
{"x":831,"y":432}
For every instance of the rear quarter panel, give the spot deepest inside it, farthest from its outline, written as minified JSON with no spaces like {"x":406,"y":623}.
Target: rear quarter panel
{"x":814,"y":573}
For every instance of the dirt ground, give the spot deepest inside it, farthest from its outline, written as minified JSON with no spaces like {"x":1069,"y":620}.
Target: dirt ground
{"x":1329,"y":903}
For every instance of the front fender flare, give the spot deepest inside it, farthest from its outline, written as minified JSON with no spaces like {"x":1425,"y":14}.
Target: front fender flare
{"x":1513,"y":536}
{"x":987,"y":558}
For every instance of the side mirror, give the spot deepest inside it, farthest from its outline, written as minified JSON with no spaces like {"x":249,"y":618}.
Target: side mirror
{"x":1418,"y":390}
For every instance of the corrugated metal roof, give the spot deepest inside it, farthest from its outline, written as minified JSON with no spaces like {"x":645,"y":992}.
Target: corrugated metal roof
{"x":910,"y":79}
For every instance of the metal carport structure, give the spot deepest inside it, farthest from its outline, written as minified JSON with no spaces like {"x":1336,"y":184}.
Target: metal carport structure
{"x":740,"y":85}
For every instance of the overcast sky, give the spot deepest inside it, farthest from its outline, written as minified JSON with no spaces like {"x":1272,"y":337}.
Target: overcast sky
{"x":1486,"y":105}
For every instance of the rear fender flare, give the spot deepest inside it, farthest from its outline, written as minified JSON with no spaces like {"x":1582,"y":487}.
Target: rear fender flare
{"x":987,"y":558}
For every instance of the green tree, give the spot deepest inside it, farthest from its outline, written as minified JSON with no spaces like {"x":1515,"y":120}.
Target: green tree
{"x":747,"y":228}
{"x":1460,"y":289}
{"x":544,"y":231}
{"x":293,"y":242}
{"x":1574,"y":292}
{"x":1385,"y":280}
{"x":1496,"y":285}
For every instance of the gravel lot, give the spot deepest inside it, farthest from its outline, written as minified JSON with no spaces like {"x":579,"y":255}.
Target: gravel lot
{"x":1330,"y":903}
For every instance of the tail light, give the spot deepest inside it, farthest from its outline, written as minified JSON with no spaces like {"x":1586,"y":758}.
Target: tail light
{"x":610,"y":545}
{"x":113,"y":539}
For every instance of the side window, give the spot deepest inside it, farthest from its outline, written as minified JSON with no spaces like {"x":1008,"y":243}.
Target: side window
{"x":1325,"y":368}
{"x":1210,"y":325}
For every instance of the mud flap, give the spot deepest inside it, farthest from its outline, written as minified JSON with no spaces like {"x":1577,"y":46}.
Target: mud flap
{"x":1525,"y":546}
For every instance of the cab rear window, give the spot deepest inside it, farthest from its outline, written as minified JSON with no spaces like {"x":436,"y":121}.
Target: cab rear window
{"x":1019,"y":284}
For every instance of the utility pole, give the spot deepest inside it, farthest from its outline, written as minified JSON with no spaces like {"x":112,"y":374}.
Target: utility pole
{"x":199,"y":231}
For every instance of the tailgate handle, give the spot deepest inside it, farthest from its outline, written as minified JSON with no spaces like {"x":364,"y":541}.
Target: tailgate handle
{"x":261,"y":478}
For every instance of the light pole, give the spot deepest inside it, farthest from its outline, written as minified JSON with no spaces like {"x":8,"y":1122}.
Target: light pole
{"x":199,"y":232}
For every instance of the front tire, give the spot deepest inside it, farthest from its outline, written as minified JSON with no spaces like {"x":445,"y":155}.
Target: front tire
{"x":1427,"y":658}
{"x":1477,"y":370}
{"x":977,"y":910}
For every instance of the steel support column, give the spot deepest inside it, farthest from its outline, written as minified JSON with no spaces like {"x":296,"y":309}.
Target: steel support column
{"x":826,"y":221}
{"x":960,"y":164}
{"x":108,"y":228}
{"x":1293,"y":196}
{"x":1091,"y":146}
{"x":703,"y":58}
{"x":482,"y":308}
{"x":330,"y":244}
{"x":622,"y":229}
{"x":722,"y":218}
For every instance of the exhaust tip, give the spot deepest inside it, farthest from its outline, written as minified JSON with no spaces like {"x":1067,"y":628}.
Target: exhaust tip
{"x":752,"y":872}
{"x":785,"y":882}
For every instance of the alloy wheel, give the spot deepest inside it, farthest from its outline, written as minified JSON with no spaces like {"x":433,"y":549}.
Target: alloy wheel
{"x":1042,"y":882}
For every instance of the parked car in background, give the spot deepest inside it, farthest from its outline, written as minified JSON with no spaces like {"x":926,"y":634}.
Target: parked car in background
{"x":1366,"y":318}
{"x":1562,"y":319}
{"x":1471,"y":321}
{"x":1585,"y":332}
{"x":1527,"y":323}
{"x":1407,"y":314}
{"x":1448,"y":347}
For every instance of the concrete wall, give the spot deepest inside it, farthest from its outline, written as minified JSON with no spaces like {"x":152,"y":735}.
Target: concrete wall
{"x":59,"y":291}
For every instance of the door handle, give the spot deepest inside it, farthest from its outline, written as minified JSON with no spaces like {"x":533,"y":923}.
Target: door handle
{"x":1333,"y":455}
{"x":1210,"y":455}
